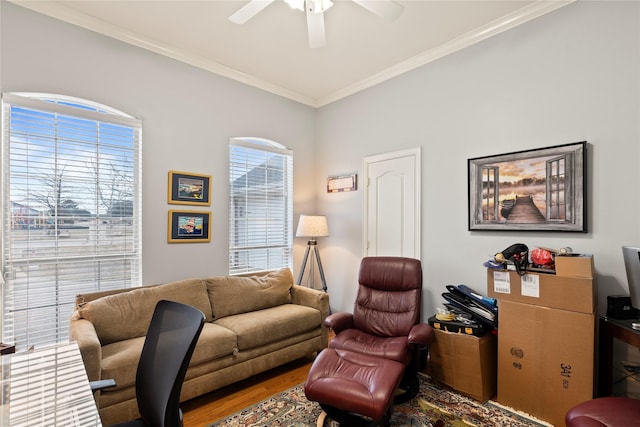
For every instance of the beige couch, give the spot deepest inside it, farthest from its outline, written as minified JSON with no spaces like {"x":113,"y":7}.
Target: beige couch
{"x":252,"y":324}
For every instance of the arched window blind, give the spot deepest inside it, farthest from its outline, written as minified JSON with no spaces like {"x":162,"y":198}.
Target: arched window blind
{"x":260,"y":205}
{"x":71,"y":210}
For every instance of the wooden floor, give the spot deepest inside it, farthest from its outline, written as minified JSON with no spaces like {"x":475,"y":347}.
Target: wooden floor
{"x":204,"y":410}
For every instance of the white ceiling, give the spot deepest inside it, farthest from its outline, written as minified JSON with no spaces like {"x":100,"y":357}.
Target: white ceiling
{"x":271,"y":50}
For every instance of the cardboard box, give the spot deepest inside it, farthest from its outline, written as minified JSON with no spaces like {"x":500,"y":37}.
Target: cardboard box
{"x":545,"y":359}
{"x":575,"y":266}
{"x":546,"y":290}
{"x":465,"y":363}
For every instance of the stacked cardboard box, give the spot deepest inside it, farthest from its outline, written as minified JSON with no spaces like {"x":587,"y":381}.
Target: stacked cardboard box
{"x":466,"y":363}
{"x":546,"y":338}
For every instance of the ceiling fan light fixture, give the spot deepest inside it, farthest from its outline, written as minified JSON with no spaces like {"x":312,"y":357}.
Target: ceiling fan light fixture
{"x":315,"y":6}
{"x":295,"y":4}
{"x":314,"y":9}
{"x":324,"y":4}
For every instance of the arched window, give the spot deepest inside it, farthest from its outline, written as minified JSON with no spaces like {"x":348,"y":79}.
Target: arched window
{"x":260,"y":205}
{"x":71,"y":210}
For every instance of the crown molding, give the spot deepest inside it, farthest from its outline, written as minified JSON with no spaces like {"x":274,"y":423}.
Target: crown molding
{"x":70,"y":16}
{"x":63,"y":13}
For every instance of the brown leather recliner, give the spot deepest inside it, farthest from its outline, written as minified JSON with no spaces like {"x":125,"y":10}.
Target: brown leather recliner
{"x":386,"y":318}
{"x":376,"y":349}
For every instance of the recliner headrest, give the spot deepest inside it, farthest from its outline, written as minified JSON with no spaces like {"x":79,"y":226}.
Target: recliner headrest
{"x":391,"y":273}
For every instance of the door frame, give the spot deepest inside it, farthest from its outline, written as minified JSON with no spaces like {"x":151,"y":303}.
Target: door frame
{"x":416,"y":154}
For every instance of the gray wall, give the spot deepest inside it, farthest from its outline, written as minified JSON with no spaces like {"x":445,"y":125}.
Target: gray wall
{"x":188,"y":117}
{"x":568,"y":76}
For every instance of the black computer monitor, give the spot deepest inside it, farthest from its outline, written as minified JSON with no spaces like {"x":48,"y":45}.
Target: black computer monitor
{"x":631,"y":257}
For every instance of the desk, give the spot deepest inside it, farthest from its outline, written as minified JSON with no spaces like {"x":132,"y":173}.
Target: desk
{"x":46,"y":387}
{"x":608,"y":329}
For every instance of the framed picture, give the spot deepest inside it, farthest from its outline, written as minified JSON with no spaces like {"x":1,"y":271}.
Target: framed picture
{"x":541,"y":189}
{"x":189,"y":226}
{"x":189,"y":189}
{"x":341,"y":183}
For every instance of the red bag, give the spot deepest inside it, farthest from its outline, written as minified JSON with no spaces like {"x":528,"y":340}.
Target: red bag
{"x":541,"y":257}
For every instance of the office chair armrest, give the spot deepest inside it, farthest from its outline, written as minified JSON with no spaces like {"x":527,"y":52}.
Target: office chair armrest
{"x":421,"y":334}
{"x":102,"y":384}
{"x":338,"y":322}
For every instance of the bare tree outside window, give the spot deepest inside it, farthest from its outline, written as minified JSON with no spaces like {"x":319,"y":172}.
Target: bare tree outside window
{"x":73,"y":223}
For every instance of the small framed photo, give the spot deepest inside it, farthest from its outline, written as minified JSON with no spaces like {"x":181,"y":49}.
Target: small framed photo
{"x":189,"y":226}
{"x":189,"y":189}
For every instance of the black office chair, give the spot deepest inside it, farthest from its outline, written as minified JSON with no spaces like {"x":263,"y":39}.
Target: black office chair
{"x":168,"y":347}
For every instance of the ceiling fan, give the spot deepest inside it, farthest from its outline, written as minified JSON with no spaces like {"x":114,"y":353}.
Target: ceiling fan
{"x":315,"y":9}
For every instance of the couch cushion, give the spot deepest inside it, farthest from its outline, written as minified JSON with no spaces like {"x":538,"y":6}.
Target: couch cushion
{"x":271,"y":324}
{"x":231,"y":295}
{"x":127,"y":315}
{"x":120,"y":362}
{"x":214,"y":342}
{"x":120,"y":359}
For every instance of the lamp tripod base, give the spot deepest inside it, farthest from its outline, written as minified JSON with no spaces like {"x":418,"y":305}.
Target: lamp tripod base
{"x":312,"y":246}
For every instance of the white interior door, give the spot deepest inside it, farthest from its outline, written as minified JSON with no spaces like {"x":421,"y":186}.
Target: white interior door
{"x":392,"y":204}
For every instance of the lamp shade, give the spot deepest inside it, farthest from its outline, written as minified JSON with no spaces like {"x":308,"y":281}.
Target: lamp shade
{"x":312,"y":226}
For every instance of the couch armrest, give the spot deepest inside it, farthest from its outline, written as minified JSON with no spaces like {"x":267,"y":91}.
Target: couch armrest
{"x":338,"y":322}
{"x":315,"y":299}
{"x":83,"y":332}
{"x":421,"y":334}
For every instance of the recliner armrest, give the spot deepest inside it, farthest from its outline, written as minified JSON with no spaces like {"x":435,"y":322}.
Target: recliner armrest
{"x":338,"y":322}
{"x":421,"y":334}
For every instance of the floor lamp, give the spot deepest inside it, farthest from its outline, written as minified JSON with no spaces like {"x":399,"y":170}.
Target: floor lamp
{"x":312,"y":226}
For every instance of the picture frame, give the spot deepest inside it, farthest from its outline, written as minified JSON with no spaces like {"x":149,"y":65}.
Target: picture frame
{"x":542,"y":189}
{"x":189,"y":189}
{"x":189,"y":226}
{"x":342,"y":183}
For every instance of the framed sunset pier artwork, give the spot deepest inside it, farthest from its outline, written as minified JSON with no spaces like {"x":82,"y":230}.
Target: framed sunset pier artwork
{"x":541,"y":189}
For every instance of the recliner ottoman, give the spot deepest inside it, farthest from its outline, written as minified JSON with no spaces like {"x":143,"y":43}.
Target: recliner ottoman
{"x":354,"y":383}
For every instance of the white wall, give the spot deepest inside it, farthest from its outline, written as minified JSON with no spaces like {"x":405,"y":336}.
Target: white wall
{"x":188,"y":117}
{"x":569,"y":76}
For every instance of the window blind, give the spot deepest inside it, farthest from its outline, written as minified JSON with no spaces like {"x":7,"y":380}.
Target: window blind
{"x":261,"y":206}
{"x":47,"y":387}
{"x":71,"y":210}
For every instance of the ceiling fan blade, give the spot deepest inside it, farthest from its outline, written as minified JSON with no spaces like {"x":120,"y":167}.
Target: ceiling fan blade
{"x":249,"y":10}
{"x":387,"y":9}
{"x":315,"y":26}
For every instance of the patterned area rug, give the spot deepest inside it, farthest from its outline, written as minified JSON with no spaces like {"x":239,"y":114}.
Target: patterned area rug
{"x":433,"y":407}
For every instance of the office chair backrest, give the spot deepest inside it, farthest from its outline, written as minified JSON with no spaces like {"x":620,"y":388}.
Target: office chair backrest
{"x":167,"y":351}
{"x":389,"y":296}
